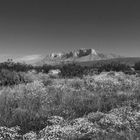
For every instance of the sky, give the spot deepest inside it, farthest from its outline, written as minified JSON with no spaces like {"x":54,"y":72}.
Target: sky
{"x":38,"y":27}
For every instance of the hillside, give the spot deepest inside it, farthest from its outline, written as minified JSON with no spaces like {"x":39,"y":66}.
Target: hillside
{"x":126,"y":60}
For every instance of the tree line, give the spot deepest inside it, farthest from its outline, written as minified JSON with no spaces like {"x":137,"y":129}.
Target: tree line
{"x":10,"y":70}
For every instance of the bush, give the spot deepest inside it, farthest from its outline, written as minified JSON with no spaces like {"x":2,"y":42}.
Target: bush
{"x":10,"y":78}
{"x":23,"y":106}
{"x":137,"y":66}
{"x":72,"y":70}
{"x":113,"y":66}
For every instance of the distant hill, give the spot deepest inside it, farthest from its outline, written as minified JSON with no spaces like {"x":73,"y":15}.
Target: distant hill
{"x":76,"y":56}
{"x":29,"y":59}
{"x":126,"y":60}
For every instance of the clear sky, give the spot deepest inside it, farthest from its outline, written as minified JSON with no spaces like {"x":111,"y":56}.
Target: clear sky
{"x":32,"y":27}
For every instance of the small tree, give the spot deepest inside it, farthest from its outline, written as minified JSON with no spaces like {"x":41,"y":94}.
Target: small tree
{"x":137,"y":66}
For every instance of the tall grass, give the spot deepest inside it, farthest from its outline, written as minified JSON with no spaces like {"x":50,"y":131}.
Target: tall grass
{"x":30,"y":105}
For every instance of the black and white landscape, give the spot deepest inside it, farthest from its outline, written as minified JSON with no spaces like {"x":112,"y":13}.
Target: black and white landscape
{"x":69,"y":70}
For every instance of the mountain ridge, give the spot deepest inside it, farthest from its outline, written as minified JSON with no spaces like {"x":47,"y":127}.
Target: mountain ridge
{"x":79,"y":55}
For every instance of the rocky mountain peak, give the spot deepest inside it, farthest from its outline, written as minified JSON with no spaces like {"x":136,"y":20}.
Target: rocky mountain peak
{"x":55,"y":55}
{"x":84,"y":52}
{"x":79,"y":55}
{"x":76,"y":53}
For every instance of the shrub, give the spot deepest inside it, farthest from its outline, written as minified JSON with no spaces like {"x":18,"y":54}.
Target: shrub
{"x":23,"y":106}
{"x":10,"y":78}
{"x":72,"y":70}
{"x":10,"y":133}
{"x":137,"y":66}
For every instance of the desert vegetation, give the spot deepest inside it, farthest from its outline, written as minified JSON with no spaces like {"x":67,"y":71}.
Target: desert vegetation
{"x":75,"y":105}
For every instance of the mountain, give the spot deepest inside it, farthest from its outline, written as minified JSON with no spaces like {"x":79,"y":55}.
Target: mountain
{"x":84,"y":57}
{"x":80,"y":55}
